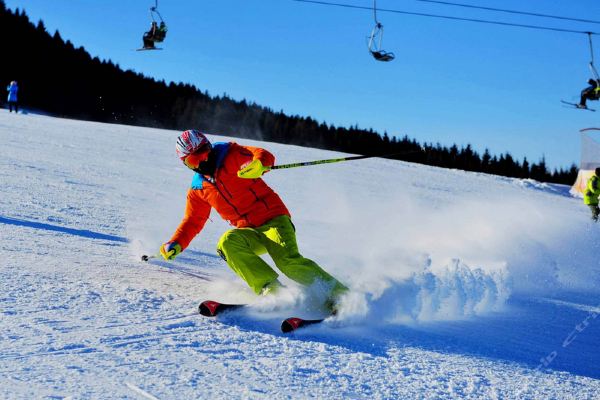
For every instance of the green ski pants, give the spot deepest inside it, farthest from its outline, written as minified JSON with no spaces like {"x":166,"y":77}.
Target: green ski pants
{"x":241,"y":249}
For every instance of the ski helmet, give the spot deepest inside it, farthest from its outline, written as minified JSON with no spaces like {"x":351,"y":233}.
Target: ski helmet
{"x":191,"y":141}
{"x":597,"y":171}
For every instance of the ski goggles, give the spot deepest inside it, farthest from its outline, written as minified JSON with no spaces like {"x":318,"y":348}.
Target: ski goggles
{"x":193,"y":160}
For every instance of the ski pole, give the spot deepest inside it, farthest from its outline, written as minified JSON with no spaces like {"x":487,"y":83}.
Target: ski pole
{"x":147,"y":258}
{"x":335,"y":160}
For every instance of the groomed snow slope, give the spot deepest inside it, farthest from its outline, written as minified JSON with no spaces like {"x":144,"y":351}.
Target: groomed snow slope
{"x":464,"y":285}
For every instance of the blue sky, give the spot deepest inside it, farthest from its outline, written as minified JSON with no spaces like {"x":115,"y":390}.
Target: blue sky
{"x":452,"y":82}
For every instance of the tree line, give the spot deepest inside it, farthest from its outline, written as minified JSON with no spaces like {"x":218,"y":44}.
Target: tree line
{"x":56,"y":77}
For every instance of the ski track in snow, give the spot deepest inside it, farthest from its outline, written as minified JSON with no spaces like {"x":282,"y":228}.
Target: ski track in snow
{"x":464,"y":285}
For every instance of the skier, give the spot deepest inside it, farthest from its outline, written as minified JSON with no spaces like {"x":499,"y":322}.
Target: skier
{"x":590,"y":196}
{"x":591,"y":92}
{"x":157,"y":33}
{"x":228,"y":179}
{"x":160,"y":33}
{"x":12,"y":96}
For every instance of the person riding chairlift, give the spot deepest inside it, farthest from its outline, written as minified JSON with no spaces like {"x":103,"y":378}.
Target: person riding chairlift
{"x":591,"y":92}
{"x":156,"y":34}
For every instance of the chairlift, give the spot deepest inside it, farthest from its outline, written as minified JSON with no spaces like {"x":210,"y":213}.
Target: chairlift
{"x":158,"y":29}
{"x":376,"y":38}
{"x":591,"y":92}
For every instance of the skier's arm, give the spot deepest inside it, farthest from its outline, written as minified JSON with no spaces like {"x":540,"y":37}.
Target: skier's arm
{"x":266,"y":158}
{"x":197,"y":212}
{"x":594,"y":185}
{"x":261,"y":162}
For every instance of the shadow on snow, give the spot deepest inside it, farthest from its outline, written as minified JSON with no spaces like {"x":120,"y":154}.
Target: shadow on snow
{"x":70,"y":231}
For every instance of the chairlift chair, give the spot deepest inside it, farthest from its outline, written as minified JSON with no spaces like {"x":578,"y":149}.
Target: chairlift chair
{"x":375,"y":45}
{"x":376,"y":38}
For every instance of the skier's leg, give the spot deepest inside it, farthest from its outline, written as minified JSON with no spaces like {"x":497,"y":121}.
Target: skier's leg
{"x":586,"y":94}
{"x":241,"y":248}
{"x":595,"y":211}
{"x":283,"y":248}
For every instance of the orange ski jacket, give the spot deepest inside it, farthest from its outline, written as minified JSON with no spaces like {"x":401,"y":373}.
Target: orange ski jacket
{"x":242,"y":202}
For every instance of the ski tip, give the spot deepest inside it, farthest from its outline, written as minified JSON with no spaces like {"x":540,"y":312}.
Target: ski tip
{"x":208,"y":308}
{"x":291,"y":324}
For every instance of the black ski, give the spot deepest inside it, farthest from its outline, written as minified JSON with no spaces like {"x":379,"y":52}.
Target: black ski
{"x":575,"y":105}
{"x":291,"y":324}
{"x":211,"y":308}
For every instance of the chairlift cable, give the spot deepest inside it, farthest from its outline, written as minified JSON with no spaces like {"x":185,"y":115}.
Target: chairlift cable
{"x":539,"y":27}
{"x":511,"y":11}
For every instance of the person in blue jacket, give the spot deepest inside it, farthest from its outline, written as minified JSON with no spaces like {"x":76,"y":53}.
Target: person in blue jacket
{"x":12,"y":96}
